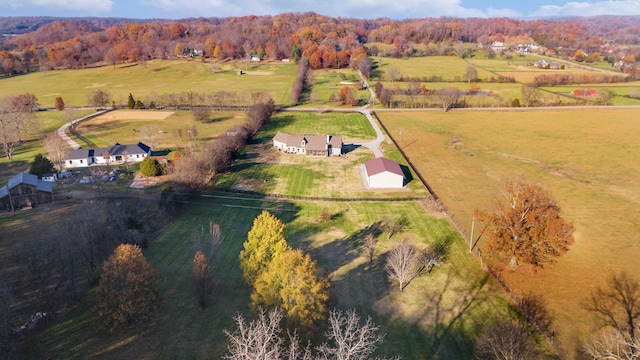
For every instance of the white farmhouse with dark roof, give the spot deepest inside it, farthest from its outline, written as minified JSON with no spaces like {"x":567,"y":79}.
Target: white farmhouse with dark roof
{"x":320,"y":145}
{"x":382,"y":173}
{"x":116,"y":154}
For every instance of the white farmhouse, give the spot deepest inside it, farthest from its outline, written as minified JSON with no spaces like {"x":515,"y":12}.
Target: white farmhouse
{"x":319,"y":145}
{"x":382,"y":173}
{"x":116,"y":154}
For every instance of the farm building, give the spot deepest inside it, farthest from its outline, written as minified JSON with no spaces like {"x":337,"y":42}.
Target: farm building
{"x":382,"y":173}
{"x":25,"y":190}
{"x":585,"y":93}
{"x":319,"y":145}
{"x":116,"y":154}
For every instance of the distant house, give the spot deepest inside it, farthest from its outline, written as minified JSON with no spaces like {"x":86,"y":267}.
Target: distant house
{"x":319,"y":145}
{"x":115,"y":154}
{"x":382,"y":173}
{"x":585,"y":93}
{"x":555,"y":66}
{"x":25,"y":190}
{"x":541,"y":64}
{"x":497,"y":46}
{"x":255,"y":58}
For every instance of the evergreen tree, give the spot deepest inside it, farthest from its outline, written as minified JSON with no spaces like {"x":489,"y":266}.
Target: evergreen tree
{"x":149,"y":167}
{"x":41,"y":165}
{"x":132,"y":102}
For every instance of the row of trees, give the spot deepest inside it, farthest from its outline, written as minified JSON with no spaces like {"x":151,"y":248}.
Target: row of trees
{"x":194,"y":171}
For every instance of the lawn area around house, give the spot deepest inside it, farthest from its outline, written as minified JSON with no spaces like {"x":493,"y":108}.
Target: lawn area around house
{"x":437,"y":315}
{"x":585,"y":158}
{"x":157,"y":78}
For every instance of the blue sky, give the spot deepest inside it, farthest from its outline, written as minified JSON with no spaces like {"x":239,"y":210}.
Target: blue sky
{"x":398,"y":9}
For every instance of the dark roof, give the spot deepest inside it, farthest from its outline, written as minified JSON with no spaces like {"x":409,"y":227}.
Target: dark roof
{"x":113,"y":150}
{"x":379,"y":165}
{"x":313,"y":142}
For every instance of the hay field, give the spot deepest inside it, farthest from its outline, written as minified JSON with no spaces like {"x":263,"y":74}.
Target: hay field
{"x":450,"y":68}
{"x":587,"y":159}
{"x":159,"y":77}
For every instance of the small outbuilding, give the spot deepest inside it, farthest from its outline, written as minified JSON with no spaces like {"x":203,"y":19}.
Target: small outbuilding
{"x":25,"y":190}
{"x":382,"y":173}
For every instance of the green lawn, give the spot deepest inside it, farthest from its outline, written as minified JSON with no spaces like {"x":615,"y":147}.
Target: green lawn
{"x":326,"y":83}
{"x":160,"y":77}
{"x":437,"y":316}
{"x":449,"y":68}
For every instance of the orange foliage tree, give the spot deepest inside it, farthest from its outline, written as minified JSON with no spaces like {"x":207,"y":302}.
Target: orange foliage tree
{"x":128,"y":290}
{"x":525,"y":226}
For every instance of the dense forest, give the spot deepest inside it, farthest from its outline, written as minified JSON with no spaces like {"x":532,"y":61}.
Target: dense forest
{"x":326,"y":42}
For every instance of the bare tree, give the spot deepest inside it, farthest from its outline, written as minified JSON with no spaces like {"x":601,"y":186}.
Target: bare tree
{"x":448,"y":96}
{"x":530,"y":94}
{"x":260,"y":339}
{"x":99,"y":98}
{"x":392,"y":225}
{"x":215,"y":237}
{"x":150,"y":134}
{"x":370,"y":243}
{"x":506,"y":340}
{"x":9,"y":135}
{"x":56,"y":148}
{"x":617,"y":305}
{"x":470,"y":74}
{"x":612,"y":344}
{"x":394,"y":73}
{"x":403,"y":263}
{"x":348,"y":339}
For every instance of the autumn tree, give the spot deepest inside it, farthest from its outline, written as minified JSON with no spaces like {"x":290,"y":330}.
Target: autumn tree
{"x":404,"y":263}
{"x":40,"y":165}
{"x":617,"y":309}
{"x":59,"y":103}
{"x":530,"y":94}
{"x":393,"y":73}
{"x":99,"y":98}
{"x":202,"y":278}
{"x":525,"y":225}
{"x":291,"y":283}
{"x":201,"y":114}
{"x":347,"y":338}
{"x":265,"y":241}
{"x":128,"y":290}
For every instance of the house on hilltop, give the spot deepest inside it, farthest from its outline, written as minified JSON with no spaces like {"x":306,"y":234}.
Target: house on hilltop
{"x":116,"y":154}
{"x":317,"y":145}
{"x":25,"y":190}
{"x":382,"y":173}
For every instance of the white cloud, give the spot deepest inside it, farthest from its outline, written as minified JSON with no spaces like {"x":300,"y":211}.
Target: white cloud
{"x":508,"y":13}
{"x":89,"y":6}
{"x":611,"y":7}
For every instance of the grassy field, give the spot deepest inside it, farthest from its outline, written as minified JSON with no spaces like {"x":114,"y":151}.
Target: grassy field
{"x":125,"y":127}
{"x":160,"y":77}
{"x":263,"y":169}
{"x":437,"y":316}
{"x":327,"y":83}
{"x":449,"y":68}
{"x":587,"y":163}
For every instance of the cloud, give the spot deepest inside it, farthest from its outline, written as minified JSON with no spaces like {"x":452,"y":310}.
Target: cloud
{"x":88,"y":6}
{"x":612,"y":7}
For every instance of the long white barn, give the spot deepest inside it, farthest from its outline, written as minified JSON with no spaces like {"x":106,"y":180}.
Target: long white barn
{"x":115,"y":154}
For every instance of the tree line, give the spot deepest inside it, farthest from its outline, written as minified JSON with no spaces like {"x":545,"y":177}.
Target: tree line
{"x":326,"y":42}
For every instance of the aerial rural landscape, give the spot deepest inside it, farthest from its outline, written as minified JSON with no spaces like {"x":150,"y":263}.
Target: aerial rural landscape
{"x":286,"y":183}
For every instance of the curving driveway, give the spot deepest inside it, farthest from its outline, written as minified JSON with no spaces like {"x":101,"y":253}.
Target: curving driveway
{"x":62,"y":131}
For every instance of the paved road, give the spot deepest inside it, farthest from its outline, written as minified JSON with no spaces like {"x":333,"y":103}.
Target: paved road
{"x":62,"y":131}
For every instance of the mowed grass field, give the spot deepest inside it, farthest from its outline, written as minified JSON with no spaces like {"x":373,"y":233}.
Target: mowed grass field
{"x":264,"y":169}
{"x":159,"y":77}
{"x":587,"y":159}
{"x":437,"y":316}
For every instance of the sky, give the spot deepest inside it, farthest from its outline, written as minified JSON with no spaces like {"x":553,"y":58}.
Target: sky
{"x":369,"y":9}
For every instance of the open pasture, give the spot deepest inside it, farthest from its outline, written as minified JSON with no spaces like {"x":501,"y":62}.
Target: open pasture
{"x":326,"y":84}
{"x":128,"y":127}
{"x":437,"y":315}
{"x":158,"y":77}
{"x":449,"y":68}
{"x":587,"y":159}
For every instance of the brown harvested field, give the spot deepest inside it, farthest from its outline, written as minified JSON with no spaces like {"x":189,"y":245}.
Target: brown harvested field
{"x":586,"y":158}
{"x":136,"y":114}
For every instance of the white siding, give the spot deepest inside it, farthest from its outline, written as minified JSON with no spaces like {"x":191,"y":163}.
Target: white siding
{"x":385,"y":180}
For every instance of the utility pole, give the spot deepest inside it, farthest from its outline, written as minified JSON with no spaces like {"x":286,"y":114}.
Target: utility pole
{"x":473,"y":223}
{"x":400,"y":138}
